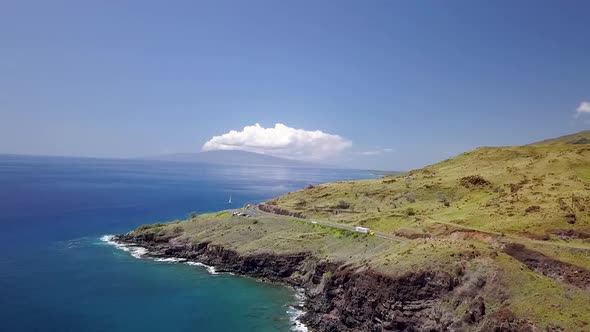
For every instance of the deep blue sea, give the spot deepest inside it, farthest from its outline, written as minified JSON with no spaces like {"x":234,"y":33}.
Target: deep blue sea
{"x":56,"y":274}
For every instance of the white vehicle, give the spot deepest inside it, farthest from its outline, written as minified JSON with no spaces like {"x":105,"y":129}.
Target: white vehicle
{"x":363,"y":230}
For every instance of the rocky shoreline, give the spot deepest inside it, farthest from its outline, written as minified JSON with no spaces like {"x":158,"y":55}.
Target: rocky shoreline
{"x":339,"y":297}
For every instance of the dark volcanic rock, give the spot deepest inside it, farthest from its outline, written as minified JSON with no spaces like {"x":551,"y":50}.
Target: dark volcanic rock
{"x":476,"y":311}
{"x":505,"y":321}
{"x":572,"y":274}
{"x":340,"y":297}
{"x":569,"y":234}
{"x":365,"y":300}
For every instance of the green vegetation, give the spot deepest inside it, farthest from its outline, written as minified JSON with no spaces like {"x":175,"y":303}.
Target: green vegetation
{"x":532,"y":295}
{"x":151,"y":226}
{"x":535,"y":189}
{"x":582,"y":137}
{"x":455,"y":215}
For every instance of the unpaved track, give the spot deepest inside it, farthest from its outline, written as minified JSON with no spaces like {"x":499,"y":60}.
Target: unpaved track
{"x":253,"y":211}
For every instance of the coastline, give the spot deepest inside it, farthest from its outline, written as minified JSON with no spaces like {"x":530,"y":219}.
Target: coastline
{"x":296,"y":311}
{"x":335,"y":296}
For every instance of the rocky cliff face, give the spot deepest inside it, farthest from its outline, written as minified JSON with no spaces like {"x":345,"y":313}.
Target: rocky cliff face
{"x":341,"y":297}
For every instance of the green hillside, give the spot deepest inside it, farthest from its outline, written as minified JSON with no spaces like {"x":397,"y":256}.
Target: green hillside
{"x":582,"y":137}
{"x":511,"y":223}
{"x":533,"y":191}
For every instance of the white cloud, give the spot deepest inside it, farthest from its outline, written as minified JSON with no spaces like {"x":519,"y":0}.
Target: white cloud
{"x":584,"y":108}
{"x":375,"y":152}
{"x":281,"y":141}
{"x":370,"y":153}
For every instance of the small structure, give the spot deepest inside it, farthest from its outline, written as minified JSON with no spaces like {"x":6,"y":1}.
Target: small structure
{"x":240,"y":214}
{"x":363,"y":230}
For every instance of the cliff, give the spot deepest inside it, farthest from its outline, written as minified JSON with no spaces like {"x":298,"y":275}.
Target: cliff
{"x":340,"y":297}
{"x":496,"y":239}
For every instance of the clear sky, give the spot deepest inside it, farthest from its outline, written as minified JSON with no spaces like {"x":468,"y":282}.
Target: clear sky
{"x":401,"y":83}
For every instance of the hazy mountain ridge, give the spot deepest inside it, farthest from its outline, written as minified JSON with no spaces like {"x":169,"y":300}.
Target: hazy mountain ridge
{"x":235,"y":157}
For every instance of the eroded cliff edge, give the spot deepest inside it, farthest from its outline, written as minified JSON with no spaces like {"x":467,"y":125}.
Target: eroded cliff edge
{"x":353,"y":297}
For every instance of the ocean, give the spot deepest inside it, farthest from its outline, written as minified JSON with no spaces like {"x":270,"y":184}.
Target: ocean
{"x":58,"y":272}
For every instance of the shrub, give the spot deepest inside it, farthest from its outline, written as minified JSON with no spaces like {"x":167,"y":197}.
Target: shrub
{"x":515,"y":187}
{"x":177,"y":229}
{"x":410,"y":212}
{"x":493,"y":202}
{"x":343,"y":205}
{"x":443,"y":198}
{"x":152,"y":226}
{"x":570,"y":218}
{"x":474,"y":181}
{"x":301,"y":204}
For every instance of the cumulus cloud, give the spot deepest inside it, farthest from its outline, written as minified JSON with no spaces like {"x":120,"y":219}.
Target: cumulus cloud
{"x":584,"y":108}
{"x":280,"y":140}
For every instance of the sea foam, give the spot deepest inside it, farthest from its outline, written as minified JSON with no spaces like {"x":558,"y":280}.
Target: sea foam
{"x":210,"y":269}
{"x":170,"y":260}
{"x":135,"y":251}
{"x":295,"y":314}
{"x":140,"y":252}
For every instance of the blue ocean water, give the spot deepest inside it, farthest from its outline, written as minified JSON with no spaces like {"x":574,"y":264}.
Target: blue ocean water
{"x":57,"y":275}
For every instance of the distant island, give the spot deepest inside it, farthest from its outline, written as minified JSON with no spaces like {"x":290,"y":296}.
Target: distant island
{"x":233,"y":157}
{"x":495,"y":239}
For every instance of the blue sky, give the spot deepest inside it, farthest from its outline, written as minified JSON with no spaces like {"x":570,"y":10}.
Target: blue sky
{"x":402,"y":83}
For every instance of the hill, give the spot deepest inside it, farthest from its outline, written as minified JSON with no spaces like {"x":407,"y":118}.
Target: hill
{"x":495,"y":239}
{"x":536,"y":190}
{"x":582,"y":137}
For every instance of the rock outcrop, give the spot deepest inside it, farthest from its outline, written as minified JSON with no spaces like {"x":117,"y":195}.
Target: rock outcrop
{"x":340,"y":297}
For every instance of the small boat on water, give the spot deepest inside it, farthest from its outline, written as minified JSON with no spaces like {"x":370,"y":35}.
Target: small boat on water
{"x":229,"y":202}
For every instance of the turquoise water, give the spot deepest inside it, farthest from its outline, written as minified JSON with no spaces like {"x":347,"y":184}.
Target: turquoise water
{"x":57,"y":275}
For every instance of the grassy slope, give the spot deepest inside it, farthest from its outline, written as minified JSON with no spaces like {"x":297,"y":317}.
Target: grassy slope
{"x":541,"y":175}
{"x":546,"y":176}
{"x":555,"y":176}
{"x":284,"y":235}
{"x":528,"y":294}
{"x":582,"y":137}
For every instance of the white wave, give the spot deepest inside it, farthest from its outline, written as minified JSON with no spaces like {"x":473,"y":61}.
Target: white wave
{"x":135,"y":251}
{"x":170,"y":260}
{"x":295,"y":314}
{"x":210,"y":269}
{"x":139,"y":252}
